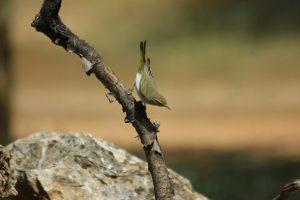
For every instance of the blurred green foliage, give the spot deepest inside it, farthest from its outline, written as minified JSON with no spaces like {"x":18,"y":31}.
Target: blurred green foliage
{"x":254,"y":18}
{"x":237,"y":175}
{"x":5,"y":73}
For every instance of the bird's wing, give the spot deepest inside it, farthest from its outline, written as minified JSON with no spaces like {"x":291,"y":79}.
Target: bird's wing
{"x":161,"y":100}
{"x":158,"y":99}
{"x":148,"y":68}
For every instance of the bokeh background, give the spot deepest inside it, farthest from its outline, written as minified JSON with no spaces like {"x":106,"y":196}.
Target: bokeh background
{"x":229,"y":70}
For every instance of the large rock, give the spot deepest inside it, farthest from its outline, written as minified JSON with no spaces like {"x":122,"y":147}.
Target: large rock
{"x":77,"y":166}
{"x":8,"y":176}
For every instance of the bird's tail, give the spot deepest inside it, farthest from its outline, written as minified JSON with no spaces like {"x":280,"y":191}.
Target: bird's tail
{"x":142,"y":52}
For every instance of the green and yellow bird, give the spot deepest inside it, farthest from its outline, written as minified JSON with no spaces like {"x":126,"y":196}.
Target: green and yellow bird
{"x":144,"y":82}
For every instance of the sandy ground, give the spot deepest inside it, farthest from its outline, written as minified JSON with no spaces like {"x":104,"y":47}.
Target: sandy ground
{"x":192,"y":126}
{"x":202,"y":116}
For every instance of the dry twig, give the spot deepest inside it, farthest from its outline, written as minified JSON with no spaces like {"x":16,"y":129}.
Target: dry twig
{"x":287,"y":189}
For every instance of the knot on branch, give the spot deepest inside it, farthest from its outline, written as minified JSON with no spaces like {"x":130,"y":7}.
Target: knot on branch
{"x":8,"y":178}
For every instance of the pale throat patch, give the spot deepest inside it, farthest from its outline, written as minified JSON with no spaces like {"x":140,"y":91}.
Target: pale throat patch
{"x":138,"y":78}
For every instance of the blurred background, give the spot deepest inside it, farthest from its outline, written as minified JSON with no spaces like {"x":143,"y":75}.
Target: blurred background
{"x":229,"y":70}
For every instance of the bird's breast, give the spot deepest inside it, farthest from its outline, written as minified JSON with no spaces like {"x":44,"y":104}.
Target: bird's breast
{"x":138,"y":78}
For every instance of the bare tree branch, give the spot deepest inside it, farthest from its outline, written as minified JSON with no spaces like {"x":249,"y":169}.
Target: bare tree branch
{"x":48,"y":22}
{"x":287,"y":189}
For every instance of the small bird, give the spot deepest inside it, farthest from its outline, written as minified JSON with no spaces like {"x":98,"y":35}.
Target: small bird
{"x":144,"y":82}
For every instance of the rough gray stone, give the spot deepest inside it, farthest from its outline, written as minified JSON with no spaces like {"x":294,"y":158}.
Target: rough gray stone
{"x":8,"y":178}
{"x":77,"y":166}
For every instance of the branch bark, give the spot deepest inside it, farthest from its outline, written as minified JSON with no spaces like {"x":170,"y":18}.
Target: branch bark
{"x":48,"y":22}
{"x":287,"y":190}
